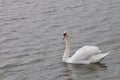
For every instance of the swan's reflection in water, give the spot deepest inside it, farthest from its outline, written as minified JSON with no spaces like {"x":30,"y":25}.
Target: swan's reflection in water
{"x":85,"y":72}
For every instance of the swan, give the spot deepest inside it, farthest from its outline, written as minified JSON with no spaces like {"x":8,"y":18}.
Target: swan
{"x":84,"y":55}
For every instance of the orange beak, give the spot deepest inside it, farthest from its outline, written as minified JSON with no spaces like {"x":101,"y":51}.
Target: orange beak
{"x":63,"y":37}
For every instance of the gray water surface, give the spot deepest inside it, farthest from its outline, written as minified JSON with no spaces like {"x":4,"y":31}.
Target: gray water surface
{"x":31,"y":45}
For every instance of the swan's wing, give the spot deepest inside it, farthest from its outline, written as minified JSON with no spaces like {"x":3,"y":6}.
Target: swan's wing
{"x":92,"y":59}
{"x":98,"y":57}
{"x":84,"y":53}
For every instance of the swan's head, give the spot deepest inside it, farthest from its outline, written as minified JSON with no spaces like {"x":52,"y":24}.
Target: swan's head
{"x":65,"y":35}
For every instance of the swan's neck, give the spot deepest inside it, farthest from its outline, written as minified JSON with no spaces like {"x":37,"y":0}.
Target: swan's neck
{"x":67,"y":50}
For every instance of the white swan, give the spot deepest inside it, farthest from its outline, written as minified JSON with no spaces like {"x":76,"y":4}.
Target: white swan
{"x":85,"y":55}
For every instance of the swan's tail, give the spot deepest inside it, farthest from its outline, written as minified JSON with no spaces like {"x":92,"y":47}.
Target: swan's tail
{"x":103,"y":55}
{"x":99,"y":57}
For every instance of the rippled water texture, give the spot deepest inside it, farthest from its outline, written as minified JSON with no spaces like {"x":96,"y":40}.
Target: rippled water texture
{"x":31,"y":45}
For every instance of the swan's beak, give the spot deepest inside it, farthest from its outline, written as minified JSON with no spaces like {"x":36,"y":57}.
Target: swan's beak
{"x":63,"y":37}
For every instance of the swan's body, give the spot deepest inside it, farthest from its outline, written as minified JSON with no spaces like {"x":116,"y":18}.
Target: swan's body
{"x":85,"y":55}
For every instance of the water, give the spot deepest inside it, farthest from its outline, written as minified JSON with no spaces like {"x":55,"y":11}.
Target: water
{"x":31,"y":45}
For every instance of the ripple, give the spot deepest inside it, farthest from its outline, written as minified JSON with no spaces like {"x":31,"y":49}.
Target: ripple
{"x":31,"y":38}
{"x":73,"y":7}
{"x":8,"y":40}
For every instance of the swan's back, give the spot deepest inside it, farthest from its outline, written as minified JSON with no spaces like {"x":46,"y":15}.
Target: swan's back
{"x":84,"y":53}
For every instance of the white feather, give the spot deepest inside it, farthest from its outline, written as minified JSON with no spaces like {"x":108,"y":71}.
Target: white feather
{"x":85,"y":55}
